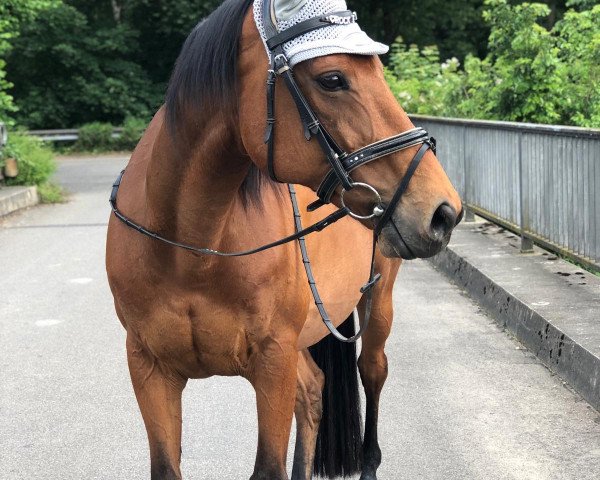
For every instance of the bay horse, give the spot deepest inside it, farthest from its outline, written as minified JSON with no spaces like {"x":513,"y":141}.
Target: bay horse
{"x":198,"y":176}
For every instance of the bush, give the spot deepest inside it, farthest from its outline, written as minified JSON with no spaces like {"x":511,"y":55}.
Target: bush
{"x":51,"y":193}
{"x":95,"y":137}
{"x":133,"y":129}
{"x":35,"y":160}
{"x":531,"y":74}
{"x":420,"y":81}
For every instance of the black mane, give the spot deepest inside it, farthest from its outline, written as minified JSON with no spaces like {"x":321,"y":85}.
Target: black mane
{"x":205,"y":74}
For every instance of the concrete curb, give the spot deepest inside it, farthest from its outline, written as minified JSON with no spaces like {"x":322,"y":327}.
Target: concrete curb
{"x":15,"y":198}
{"x":569,"y":349}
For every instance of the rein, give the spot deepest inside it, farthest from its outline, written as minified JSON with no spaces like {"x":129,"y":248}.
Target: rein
{"x":341,"y":163}
{"x":315,"y":227}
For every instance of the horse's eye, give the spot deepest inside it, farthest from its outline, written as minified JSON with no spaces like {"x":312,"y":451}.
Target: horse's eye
{"x":333,"y":82}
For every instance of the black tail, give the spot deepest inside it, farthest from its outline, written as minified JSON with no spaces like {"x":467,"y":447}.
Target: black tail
{"x":339,"y":444}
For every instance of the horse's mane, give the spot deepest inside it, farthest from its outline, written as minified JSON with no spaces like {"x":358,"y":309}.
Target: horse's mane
{"x":205,"y":75}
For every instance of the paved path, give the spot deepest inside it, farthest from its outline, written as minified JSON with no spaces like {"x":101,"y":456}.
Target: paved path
{"x":463,"y":399}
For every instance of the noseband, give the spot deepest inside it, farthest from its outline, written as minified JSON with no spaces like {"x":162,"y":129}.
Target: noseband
{"x":341,"y":163}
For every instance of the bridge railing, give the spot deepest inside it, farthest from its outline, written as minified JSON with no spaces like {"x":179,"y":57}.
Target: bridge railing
{"x":541,"y":181}
{"x":65,"y":135}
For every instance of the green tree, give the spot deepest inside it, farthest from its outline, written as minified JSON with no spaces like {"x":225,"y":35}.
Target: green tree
{"x":530,"y":73}
{"x":163,"y":27}
{"x":13,"y":14}
{"x":454,"y":25}
{"x":522,"y":65}
{"x":67,"y":73}
{"x":578,"y":43}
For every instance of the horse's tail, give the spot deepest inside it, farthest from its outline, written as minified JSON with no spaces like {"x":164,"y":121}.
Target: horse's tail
{"x":339,"y":443}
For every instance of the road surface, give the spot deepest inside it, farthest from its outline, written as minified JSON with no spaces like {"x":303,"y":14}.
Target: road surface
{"x":463,"y":400}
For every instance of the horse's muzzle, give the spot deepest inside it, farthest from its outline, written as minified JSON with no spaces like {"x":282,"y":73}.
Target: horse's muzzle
{"x":402,"y":238}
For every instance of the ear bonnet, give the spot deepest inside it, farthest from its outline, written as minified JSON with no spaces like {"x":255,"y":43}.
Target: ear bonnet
{"x":343,"y":36}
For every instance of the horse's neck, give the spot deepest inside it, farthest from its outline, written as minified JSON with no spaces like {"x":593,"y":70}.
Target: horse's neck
{"x":192,"y":187}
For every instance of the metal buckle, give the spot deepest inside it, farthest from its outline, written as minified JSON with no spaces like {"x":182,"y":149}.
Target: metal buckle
{"x":377,"y":209}
{"x":280,"y":64}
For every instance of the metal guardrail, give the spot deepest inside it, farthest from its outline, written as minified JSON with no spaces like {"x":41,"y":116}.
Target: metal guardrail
{"x":540,"y":181}
{"x":64,"y":135}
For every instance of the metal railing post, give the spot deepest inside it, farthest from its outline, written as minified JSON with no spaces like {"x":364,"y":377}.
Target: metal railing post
{"x":469,"y":214}
{"x":526,"y":243}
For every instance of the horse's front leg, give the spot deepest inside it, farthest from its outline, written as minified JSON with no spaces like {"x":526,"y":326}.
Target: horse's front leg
{"x":273,"y":376}
{"x":373,"y":365}
{"x":158,"y":392}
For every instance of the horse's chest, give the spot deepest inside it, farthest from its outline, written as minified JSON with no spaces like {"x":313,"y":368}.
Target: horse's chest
{"x":216,"y":332}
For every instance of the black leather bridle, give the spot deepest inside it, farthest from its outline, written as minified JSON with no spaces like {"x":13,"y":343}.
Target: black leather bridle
{"x":341,"y":163}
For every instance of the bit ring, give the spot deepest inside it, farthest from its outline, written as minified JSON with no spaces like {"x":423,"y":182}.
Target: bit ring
{"x":377,"y":210}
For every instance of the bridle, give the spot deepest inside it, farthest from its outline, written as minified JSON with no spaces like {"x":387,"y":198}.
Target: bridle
{"x":341,"y":163}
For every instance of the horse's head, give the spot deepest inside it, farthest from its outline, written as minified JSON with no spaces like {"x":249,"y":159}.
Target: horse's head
{"x":349,"y":96}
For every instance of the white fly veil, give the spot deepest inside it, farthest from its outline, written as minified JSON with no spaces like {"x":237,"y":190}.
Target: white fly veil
{"x":346,"y":38}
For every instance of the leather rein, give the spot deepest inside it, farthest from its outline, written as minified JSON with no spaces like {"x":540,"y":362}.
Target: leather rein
{"x":341,"y":163}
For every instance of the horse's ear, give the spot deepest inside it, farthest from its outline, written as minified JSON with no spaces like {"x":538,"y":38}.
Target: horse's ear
{"x":286,"y":9}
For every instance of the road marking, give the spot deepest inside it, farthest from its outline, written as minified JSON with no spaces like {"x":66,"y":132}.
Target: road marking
{"x":81,"y":281}
{"x":48,"y":322}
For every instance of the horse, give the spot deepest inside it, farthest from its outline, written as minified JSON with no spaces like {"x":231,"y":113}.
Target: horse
{"x":199,"y":176}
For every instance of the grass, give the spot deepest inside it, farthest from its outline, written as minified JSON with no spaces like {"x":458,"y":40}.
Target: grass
{"x":51,"y":193}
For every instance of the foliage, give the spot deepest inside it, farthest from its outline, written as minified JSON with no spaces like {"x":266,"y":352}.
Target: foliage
{"x":529,"y":74}
{"x":163,"y":27}
{"x":421,"y":83}
{"x":133,"y":129}
{"x":95,"y":137}
{"x":578,"y":43}
{"x":91,"y":77}
{"x":50,"y":192}
{"x":35,"y":160}
{"x":454,"y":25}
{"x":13,"y":13}
{"x":6,"y":100}
{"x":71,"y":62}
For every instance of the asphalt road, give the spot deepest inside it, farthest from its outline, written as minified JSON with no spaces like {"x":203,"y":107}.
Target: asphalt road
{"x":463,"y":400}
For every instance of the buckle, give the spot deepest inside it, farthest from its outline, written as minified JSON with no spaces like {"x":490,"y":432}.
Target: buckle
{"x":280,"y":64}
{"x":432,"y":144}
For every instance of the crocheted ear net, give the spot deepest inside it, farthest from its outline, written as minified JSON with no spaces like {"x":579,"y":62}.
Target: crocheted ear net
{"x":324,"y":41}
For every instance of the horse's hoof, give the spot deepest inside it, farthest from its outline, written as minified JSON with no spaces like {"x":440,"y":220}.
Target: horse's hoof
{"x":368,"y":476}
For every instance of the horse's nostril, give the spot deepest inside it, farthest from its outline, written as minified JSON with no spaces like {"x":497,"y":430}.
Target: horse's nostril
{"x":443,"y":221}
